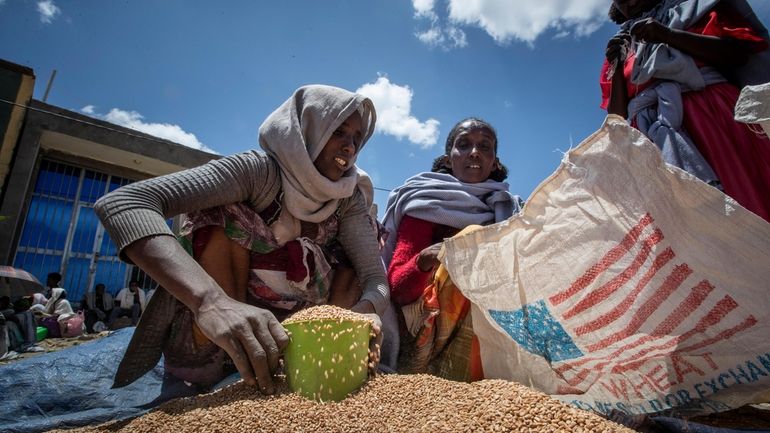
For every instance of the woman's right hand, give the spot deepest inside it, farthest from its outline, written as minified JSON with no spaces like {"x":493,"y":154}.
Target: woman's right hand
{"x":252,"y":337}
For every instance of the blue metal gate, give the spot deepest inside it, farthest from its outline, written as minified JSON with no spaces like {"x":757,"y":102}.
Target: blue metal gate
{"x":62,"y":234}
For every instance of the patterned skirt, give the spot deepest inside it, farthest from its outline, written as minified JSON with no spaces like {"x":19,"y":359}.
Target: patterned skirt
{"x":437,"y":332}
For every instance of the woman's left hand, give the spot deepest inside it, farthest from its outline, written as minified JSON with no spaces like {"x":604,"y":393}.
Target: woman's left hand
{"x":367,"y":309}
{"x":375,"y":343}
{"x":428,"y":258}
{"x":650,"y":30}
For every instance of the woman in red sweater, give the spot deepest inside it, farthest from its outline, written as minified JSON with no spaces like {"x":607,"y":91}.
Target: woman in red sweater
{"x":465,"y":188}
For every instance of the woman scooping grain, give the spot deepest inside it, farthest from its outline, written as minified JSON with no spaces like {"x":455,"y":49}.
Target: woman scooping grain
{"x":258,"y":225}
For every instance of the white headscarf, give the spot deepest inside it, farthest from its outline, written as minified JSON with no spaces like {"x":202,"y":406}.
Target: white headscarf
{"x":57,"y":306}
{"x":296,"y":133}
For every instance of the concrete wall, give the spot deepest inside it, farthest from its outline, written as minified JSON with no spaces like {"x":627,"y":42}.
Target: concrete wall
{"x":16,"y":85}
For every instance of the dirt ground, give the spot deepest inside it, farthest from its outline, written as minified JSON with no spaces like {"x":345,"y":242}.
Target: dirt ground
{"x":55,"y":344}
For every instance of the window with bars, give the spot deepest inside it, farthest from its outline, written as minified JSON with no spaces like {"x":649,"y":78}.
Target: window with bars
{"x":61,"y":232}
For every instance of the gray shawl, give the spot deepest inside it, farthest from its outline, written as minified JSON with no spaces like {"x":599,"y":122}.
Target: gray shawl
{"x":294,"y":135}
{"x":442,"y":199}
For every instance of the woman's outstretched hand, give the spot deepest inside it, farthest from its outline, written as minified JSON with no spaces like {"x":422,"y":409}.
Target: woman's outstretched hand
{"x":428,"y":258}
{"x":252,"y":337}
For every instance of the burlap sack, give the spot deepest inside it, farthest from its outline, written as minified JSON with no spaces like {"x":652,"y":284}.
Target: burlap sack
{"x":624,"y":284}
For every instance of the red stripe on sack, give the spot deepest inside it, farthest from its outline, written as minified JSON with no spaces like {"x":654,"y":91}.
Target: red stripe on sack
{"x":713,"y":317}
{"x":673,"y":281}
{"x":569,"y":366}
{"x":602,"y":265}
{"x":693,"y":300}
{"x":661,"y":260}
{"x":602,"y":293}
{"x":696,"y":297}
{"x":724,"y":335}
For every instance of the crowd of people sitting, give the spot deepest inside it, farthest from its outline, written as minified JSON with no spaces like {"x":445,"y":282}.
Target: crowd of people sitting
{"x":26,"y":320}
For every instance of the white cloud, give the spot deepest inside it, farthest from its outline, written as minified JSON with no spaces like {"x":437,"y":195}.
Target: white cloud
{"x":2,"y":2}
{"x":394,"y":106}
{"x":134,"y":120}
{"x":423,"y":8}
{"x":445,"y":37}
{"x":512,"y":20}
{"x":47,"y":10}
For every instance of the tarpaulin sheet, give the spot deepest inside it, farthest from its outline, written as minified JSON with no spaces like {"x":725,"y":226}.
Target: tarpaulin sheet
{"x":71,"y":387}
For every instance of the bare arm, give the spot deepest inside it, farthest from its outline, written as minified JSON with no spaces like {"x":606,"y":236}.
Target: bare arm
{"x":134,"y":216}
{"x":716,"y":51}
{"x":616,"y":53}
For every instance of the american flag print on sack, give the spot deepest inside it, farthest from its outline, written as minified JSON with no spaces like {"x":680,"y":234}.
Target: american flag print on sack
{"x":637,"y":304}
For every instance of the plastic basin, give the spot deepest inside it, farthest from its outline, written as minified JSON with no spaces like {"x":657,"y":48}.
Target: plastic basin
{"x":327,"y":359}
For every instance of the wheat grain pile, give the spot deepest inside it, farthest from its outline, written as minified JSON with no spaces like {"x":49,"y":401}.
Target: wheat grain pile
{"x":394,"y":403}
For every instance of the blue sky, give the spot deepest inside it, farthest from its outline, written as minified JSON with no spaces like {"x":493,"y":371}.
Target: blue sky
{"x":206,"y":74}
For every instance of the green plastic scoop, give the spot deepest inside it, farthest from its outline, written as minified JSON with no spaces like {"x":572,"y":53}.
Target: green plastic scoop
{"x":326,"y":359}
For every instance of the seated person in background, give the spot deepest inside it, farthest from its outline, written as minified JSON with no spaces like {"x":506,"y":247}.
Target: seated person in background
{"x":465,"y":189}
{"x":6,"y":308}
{"x":131,"y":302}
{"x":11,"y":338}
{"x":97,"y":305}
{"x":56,"y":311}
{"x":38,"y":299}
{"x":52,"y":280}
{"x":23,"y":319}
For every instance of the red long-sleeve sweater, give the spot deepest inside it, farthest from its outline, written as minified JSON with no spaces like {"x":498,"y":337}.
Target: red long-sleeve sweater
{"x":407,"y":281}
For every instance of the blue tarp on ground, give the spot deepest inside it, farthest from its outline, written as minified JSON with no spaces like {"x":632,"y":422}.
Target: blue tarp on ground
{"x":71,"y":387}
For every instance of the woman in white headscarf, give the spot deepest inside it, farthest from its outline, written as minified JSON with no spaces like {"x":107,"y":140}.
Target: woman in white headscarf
{"x":257,"y":231}
{"x":57,"y":310}
{"x":58,"y":303}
